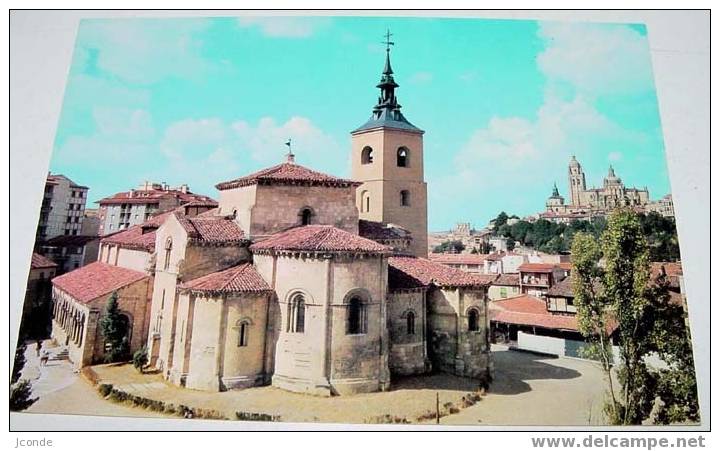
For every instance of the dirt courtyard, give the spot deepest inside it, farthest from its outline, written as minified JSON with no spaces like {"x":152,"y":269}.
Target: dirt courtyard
{"x":529,"y":389}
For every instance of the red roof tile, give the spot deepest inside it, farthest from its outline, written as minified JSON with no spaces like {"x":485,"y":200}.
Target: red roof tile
{"x":152,"y":196}
{"x":95,"y":280}
{"x":238,"y":279}
{"x":528,"y":310}
{"x":210,"y":229}
{"x":38,"y":261}
{"x":509,"y":280}
{"x":287,"y":173}
{"x":563,"y":289}
{"x":415,"y":272}
{"x":458,"y":259}
{"x":138,"y":237}
{"x":378,"y":231}
{"x":537,"y":267}
{"x":319,"y":238}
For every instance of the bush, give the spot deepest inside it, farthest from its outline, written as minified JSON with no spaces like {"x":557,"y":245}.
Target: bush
{"x":105,"y":389}
{"x":21,"y":396}
{"x":388,"y":419}
{"x":140,"y":359}
{"x":250,"y":416}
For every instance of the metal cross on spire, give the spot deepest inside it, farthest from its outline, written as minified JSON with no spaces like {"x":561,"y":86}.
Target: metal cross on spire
{"x":290,"y":155}
{"x":387,"y":40}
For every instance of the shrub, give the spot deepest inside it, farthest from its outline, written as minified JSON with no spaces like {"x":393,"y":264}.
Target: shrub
{"x":21,"y":396}
{"x":388,"y":419}
{"x":105,"y":389}
{"x":140,"y":359}
{"x":250,"y":416}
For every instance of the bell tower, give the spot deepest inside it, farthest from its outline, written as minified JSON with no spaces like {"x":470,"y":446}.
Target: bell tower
{"x":387,"y":157}
{"x":576,"y":180}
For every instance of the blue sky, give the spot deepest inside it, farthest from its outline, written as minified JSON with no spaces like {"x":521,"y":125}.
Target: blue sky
{"x":504,"y":103}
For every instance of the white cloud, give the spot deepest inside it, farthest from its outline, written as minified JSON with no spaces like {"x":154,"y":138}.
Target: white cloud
{"x":285,"y":27}
{"x":596,"y":58}
{"x":145,"y":51}
{"x":615,"y":156}
{"x":421,"y":77}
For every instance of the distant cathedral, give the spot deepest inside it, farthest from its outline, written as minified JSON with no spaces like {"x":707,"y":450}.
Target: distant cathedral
{"x":586,"y":203}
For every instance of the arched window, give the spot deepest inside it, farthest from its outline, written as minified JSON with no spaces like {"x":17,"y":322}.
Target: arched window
{"x":168,"y":249}
{"x":243,"y":331}
{"x":405,"y":198}
{"x":356,"y":317}
{"x":364,"y":202}
{"x":403,"y":155}
{"x":367,"y":155}
{"x":473,"y":320}
{"x":410,"y":318}
{"x":306,"y":215}
{"x":296,"y":316}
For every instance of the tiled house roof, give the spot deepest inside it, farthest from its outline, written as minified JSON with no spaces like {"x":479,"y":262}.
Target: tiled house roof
{"x":319,"y":238}
{"x":413,"y":272}
{"x":378,"y":231}
{"x":95,"y":280}
{"x":287,"y":173}
{"x":537,"y":267}
{"x":238,"y":279}
{"x":138,"y":237}
{"x":528,"y":310}
{"x":458,"y":259}
{"x":38,"y":261}
{"x":563,"y":289}
{"x":152,"y":196}
{"x":215,"y":230}
{"x":507,"y":280}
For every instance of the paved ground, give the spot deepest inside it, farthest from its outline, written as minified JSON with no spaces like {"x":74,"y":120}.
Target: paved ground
{"x":59,"y":389}
{"x":528,"y":390}
{"x":532,"y":389}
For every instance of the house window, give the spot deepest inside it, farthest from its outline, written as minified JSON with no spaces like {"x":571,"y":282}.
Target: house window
{"x":296,"y":316}
{"x":405,"y":198}
{"x":367,"y":155}
{"x":410,"y":318}
{"x":306,"y":215}
{"x":365,"y":202}
{"x":243,"y":333}
{"x":356,"y":317}
{"x":503,"y":292}
{"x":402,"y":157}
{"x":473,"y":320}
{"x":168,"y":249}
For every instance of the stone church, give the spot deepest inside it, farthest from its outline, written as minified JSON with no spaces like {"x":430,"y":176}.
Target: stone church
{"x":299,"y":279}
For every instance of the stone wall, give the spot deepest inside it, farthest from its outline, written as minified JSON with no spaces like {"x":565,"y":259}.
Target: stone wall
{"x":453,"y":348}
{"x":408,"y":351}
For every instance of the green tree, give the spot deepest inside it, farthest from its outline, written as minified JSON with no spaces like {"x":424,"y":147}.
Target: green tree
{"x":140,"y":359}
{"x":21,"y":396}
{"x":501,"y":220}
{"x":454,"y":246}
{"x":647,"y":322}
{"x":113,"y":326}
{"x":19,"y":362}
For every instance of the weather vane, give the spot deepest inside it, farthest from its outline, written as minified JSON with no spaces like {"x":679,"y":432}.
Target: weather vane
{"x":387,"y":40}
{"x":290,"y":155}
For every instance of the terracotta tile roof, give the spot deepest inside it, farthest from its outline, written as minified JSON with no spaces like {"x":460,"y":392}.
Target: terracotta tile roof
{"x":673,"y":271}
{"x":378,"y":231}
{"x":508,"y":280}
{"x":415,"y":272}
{"x":567,"y":266}
{"x":138,"y":237}
{"x":53,"y":180}
{"x":495,"y":256}
{"x":209,"y":229}
{"x":287,"y":173}
{"x":528,"y":310}
{"x":319,"y":238}
{"x":95,"y":280}
{"x":152,"y":197}
{"x":238,"y":279}
{"x":38,"y":261}
{"x":202,"y":203}
{"x":537,"y":267}
{"x":562,"y":289}
{"x":458,"y":259}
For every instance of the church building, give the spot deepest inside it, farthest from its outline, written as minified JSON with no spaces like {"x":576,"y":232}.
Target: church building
{"x":309,"y":282}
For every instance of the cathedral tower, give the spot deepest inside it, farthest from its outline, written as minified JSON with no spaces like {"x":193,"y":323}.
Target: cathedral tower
{"x":576,"y":182}
{"x":387,"y":156}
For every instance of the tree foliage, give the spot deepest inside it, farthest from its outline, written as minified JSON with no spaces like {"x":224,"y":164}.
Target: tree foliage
{"x":114,"y":329}
{"x":19,"y":362}
{"x":620,"y":293}
{"x":449,"y":247}
{"x":140,"y":359}
{"x":21,"y":396}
